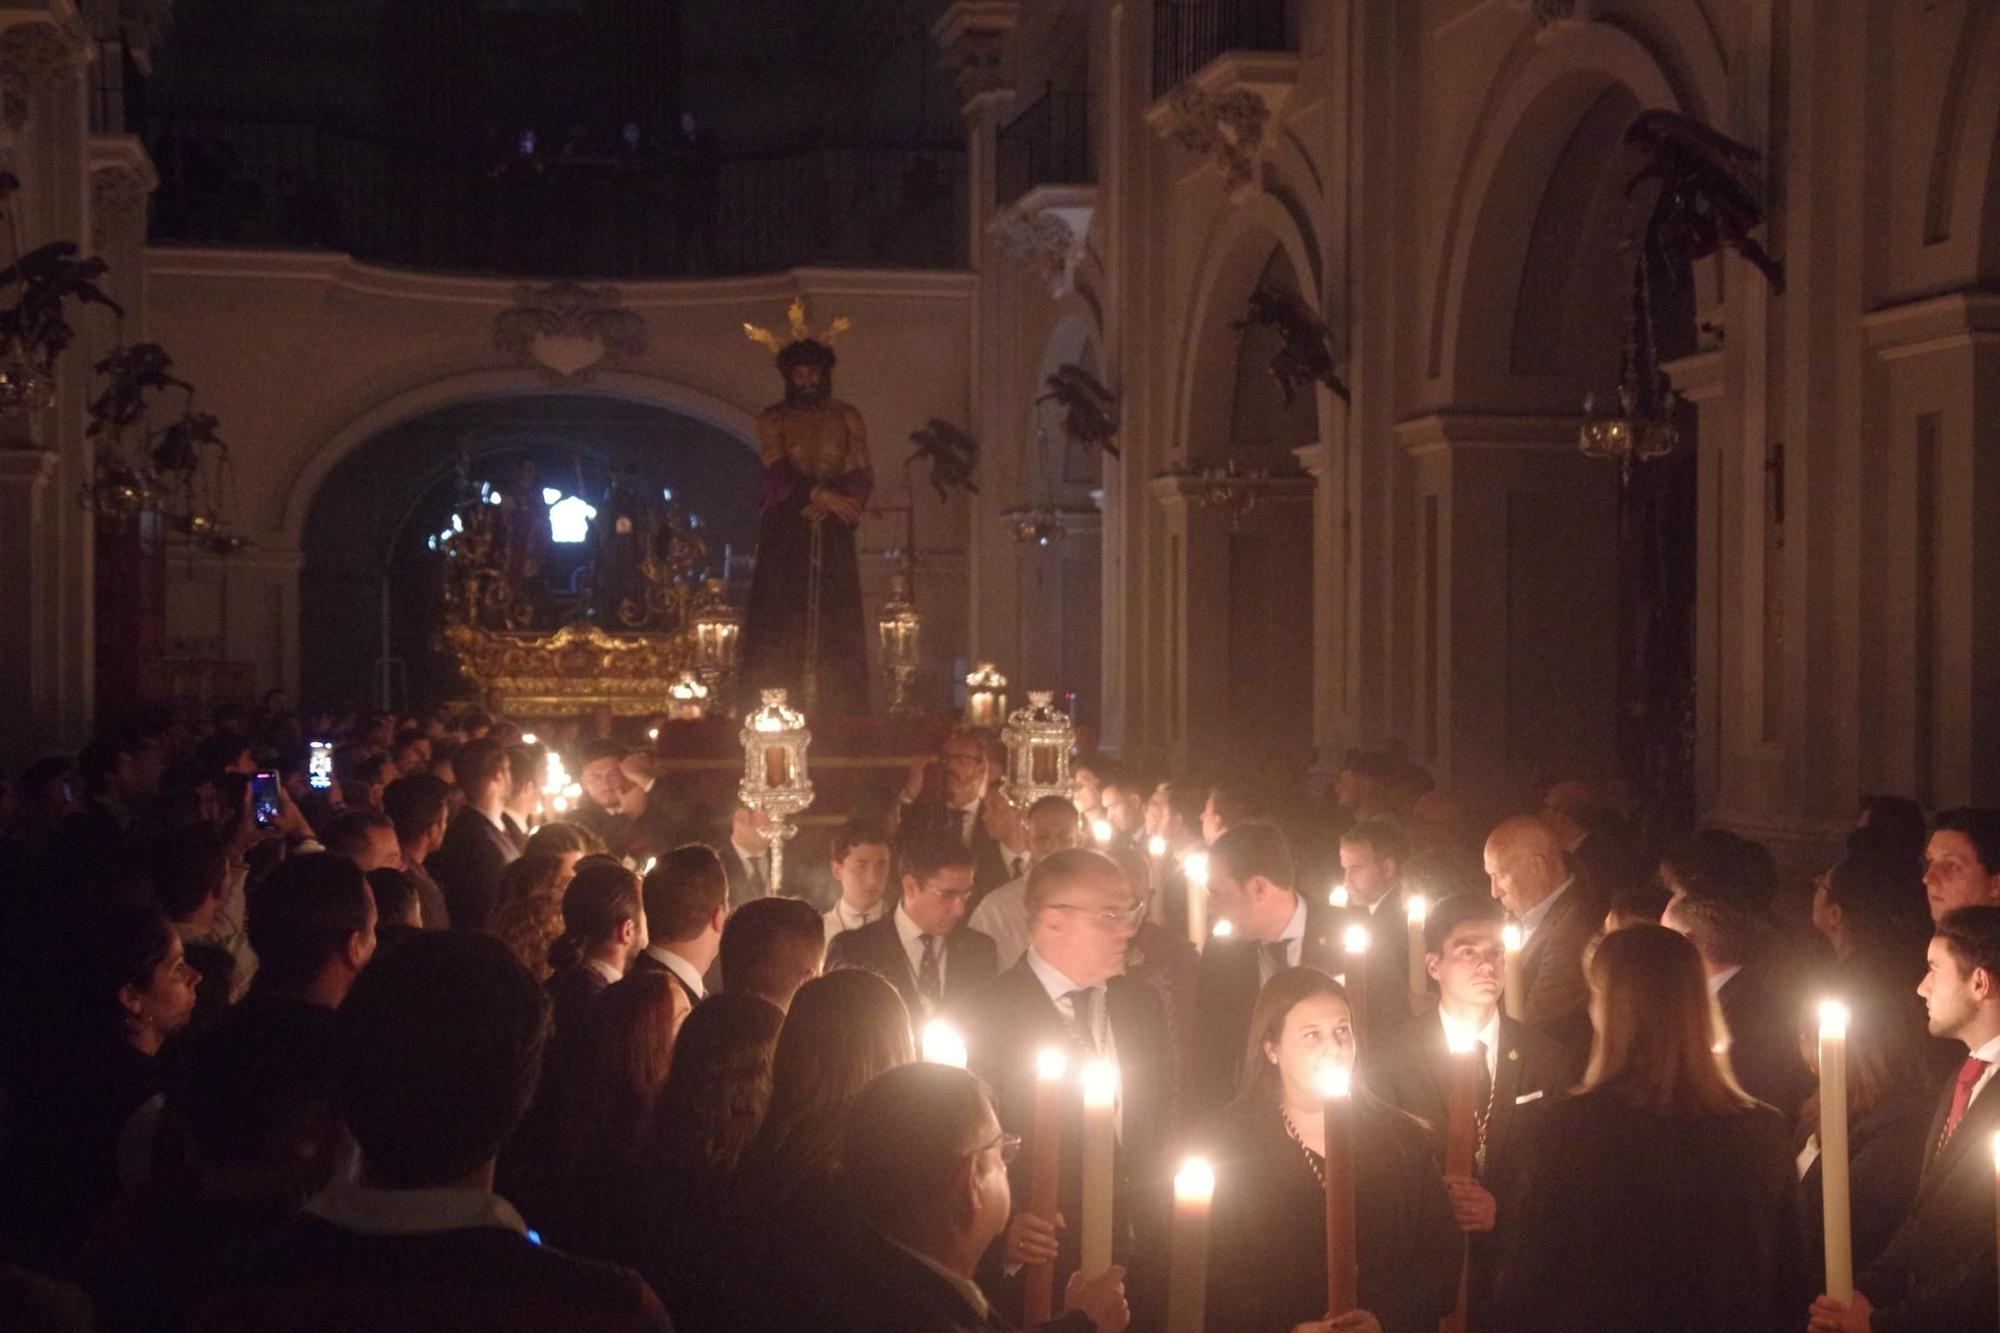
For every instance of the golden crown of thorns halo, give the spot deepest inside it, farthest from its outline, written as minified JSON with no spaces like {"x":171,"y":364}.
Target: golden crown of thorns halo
{"x":772,"y":343}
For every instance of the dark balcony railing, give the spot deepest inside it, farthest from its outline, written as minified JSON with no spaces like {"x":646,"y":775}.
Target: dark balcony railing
{"x":1187,"y":34}
{"x":1047,"y":144}
{"x":707,"y":212}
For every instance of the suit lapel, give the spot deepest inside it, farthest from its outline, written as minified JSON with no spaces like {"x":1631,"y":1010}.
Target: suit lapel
{"x":1506,"y":1087}
{"x":1975,"y":1127}
{"x":893,"y":962}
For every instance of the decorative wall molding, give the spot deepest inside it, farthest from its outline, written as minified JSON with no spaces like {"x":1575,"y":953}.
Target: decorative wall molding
{"x":1050,"y":229}
{"x":568,"y":329}
{"x":121,"y":178}
{"x":1229,"y":114}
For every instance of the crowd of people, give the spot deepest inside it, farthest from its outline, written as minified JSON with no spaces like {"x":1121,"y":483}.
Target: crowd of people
{"x":414,"y":1049}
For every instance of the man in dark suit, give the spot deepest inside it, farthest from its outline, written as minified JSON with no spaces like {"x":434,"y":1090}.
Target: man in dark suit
{"x":1068,"y":993}
{"x":476,"y":846}
{"x":435,"y":1057}
{"x":744,"y":855}
{"x":1938,"y":1271}
{"x":420,"y":805}
{"x":1759,"y":1005}
{"x":1372,"y":853}
{"x":1252,"y":885}
{"x":1524,"y":861}
{"x":1463,"y":953}
{"x":686,"y":897}
{"x":925,"y":1164}
{"x":953,"y":805}
{"x":921,"y":948}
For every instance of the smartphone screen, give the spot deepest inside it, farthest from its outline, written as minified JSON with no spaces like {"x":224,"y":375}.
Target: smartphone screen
{"x":319,"y":765}
{"x":264,"y":799}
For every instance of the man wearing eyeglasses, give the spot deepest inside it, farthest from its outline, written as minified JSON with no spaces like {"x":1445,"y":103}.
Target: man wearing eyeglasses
{"x":1068,"y":993}
{"x":925,"y":1164}
{"x":923,"y":948}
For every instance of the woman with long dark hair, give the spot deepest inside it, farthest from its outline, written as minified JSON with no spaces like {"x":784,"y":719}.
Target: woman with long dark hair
{"x":1267,"y":1261}
{"x":842,"y":1030}
{"x":1660,"y":1196}
{"x":714,"y":1100}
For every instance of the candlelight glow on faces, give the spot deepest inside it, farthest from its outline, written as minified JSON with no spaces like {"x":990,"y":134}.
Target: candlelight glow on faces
{"x":1468,"y":971}
{"x":1083,"y":930}
{"x":1316,"y":1043}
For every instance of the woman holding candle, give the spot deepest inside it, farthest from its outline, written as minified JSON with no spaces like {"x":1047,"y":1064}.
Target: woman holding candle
{"x":1660,"y":1196}
{"x":1267,"y":1261}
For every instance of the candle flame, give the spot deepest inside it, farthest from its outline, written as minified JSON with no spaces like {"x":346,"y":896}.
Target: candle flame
{"x":1355,"y":939}
{"x":528,"y":738}
{"x":1223,"y":929}
{"x":1418,"y":909}
{"x":1100,"y":1083}
{"x":652,"y":733}
{"x":1195,"y":1181}
{"x":1510,"y":936}
{"x":1051,"y":1064}
{"x":1101,"y":831}
{"x":942,"y":1045}
{"x":1335,"y":1080}
{"x":1156,"y":846}
{"x":1458,"y":1040}
{"x":1832,"y":1019}
{"x":1339,"y":895}
{"x":1195,"y":867}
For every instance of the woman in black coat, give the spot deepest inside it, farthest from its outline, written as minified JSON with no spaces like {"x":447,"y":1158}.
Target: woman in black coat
{"x":1660,"y":1196}
{"x":1267,"y":1258}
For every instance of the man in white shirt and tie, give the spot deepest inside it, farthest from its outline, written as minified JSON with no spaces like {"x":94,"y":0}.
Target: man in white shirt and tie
{"x":1050,"y":826}
{"x":861,"y":868}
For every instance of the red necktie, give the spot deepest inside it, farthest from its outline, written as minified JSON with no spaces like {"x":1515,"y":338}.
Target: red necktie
{"x":1961,"y":1095}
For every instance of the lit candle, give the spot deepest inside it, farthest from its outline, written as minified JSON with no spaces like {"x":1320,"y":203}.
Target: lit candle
{"x":1187,"y":1290}
{"x":1223,"y":929}
{"x":1461,"y":1136}
{"x":1418,"y":909}
{"x":1511,"y":988}
{"x":1100,"y":1099}
{"x":1834,"y":1193}
{"x":1045,"y":1172}
{"x":1194,"y":869}
{"x":1101,"y":831}
{"x":1355,"y":941}
{"x":1338,"y":897}
{"x":652,"y":733}
{"x":1996,"y":1176}
{"x":528,"y":738}
{"x":1156,"y":846}
{"x":777,"y":767}
{"x":1342,"y":1277}
{"x":942,"y":1044}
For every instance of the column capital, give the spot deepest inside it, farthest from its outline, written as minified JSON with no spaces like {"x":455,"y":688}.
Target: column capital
{"x":121,"y":177}
{"x":973,"y":35}
{"x":39,"y":43}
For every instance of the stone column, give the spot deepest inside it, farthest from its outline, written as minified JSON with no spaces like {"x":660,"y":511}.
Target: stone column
{"x":1516,"y":644}
{"x":44,"y":459}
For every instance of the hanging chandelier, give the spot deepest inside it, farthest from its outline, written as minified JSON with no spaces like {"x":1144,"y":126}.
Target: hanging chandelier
{"x":1642,"y":429}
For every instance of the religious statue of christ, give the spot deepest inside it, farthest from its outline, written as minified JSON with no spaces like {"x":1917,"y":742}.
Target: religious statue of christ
{"x":803,"y":630}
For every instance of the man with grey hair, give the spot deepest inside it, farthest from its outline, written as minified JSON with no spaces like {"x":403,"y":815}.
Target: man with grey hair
{"x":1052,"y":825}
{"x":1531,"y":878}
{"x":1068,"y":994}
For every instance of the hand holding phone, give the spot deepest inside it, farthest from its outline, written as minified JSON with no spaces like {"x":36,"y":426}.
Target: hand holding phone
{"x":264,"y":804}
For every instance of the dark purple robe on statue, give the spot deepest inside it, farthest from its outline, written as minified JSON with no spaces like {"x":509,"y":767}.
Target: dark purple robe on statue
{"x":775,"y":630}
